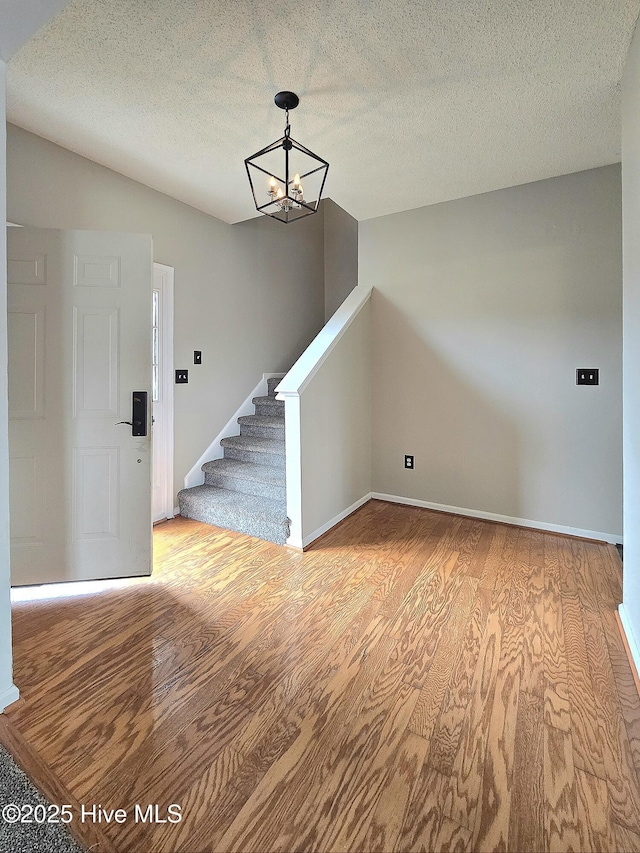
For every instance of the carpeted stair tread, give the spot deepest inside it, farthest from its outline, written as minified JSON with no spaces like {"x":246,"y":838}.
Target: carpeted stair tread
{"x":246,"y":470}
{"x":242,"y":475}
{"x":252,"y":442}
{"x":270,"y":403}
{"x":255,"y":516}
{"x":262,"y":426}
{"x":250,"y":505}
{"x":263,"y":420}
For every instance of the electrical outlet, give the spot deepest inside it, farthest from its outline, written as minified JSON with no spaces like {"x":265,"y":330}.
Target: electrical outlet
{"x":408,"y":461}
{"x":197,"y":356}
{"x":587,"y":376}
{"x":182,"y":376}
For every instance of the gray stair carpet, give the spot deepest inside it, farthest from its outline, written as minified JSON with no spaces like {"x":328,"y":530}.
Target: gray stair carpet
{"x":245,"y":491}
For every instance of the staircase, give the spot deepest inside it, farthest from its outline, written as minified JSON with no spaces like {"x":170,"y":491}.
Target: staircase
{"x":245,"y":491}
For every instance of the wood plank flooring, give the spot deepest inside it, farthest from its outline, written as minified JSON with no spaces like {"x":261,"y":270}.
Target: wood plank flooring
{"x":414,"y":682}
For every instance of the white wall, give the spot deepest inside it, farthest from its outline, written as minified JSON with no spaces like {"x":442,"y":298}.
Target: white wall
{"x":335,"y":428}
{"x":484,"y":308}
{"x":249,"y":296}
{"x":630,"y":612}
{"x":8,"y":692}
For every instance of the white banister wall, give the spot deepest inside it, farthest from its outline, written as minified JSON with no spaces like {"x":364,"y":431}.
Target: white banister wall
{"x":327,"y":396}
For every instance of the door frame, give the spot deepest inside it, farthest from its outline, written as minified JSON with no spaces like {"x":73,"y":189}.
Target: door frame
{"x":166,"y":442}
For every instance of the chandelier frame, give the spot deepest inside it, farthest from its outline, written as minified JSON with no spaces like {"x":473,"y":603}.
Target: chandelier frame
{"x":289,"y":205}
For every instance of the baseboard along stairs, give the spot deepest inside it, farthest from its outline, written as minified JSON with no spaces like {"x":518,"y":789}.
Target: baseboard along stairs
{"x":245,"y":490}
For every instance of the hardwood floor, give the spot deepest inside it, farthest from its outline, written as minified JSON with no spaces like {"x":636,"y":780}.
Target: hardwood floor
{"x":414,"y":682}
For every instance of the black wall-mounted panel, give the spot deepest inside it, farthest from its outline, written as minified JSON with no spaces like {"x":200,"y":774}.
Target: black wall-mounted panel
{"x":587,"y":376}
{"x":139,"y":413}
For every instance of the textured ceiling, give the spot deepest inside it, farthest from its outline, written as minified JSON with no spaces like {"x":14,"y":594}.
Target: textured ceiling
{"x":412,"y":102}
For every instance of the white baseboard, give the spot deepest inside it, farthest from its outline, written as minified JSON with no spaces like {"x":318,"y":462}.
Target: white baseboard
{"x":307,"y":540}
{"x":195,"y":477}
{"x":165,"y":516}
{"x":8,"y":697}
{"x":631,"y":638}
{"x":613,"y":538}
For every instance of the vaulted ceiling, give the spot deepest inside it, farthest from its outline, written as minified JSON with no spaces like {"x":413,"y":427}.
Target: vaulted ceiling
{"x":412,"y":102}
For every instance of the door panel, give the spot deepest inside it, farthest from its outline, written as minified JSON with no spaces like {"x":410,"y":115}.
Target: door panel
{"x":80,"y":344}
{"x":95,"y":369}
{"x":26,"y":363}
{"x":25,"y":495}
{"x":96,"y":509}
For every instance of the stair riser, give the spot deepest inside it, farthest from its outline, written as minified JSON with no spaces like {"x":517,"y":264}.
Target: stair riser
{"x":246,"y":486}
{"x":276,"y":533}
{"x":276,"y":433}
{"x":271,"y":409}
{"x":257,"y":456}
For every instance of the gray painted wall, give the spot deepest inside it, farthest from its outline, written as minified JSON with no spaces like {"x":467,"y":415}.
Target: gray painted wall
{"x":250,"y":296}
{"x":340,"y":256}
{"x":631,"y":262}
{"x":21,"y":19}
{"x":484,"y":308}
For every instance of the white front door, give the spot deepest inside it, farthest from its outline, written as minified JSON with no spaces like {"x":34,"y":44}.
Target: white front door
{"x":79,"y":346}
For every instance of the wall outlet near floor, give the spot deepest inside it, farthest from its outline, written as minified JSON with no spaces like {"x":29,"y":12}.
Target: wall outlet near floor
{"x":587,"y":376}
{"x":197,"y":356}
{"x":408,"y":461}
{"x":182,"y":376}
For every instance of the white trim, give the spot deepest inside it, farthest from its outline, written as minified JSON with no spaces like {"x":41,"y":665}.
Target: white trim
{"x":631,"y":637}
{"x":321,"y":346}
{"x":613,"y":538}
{"x":8,"y":697}
{"x":293,"y":468}
{"x":336,"y":520}
{"x":167,"y":440}
{"x":195,"y":477}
